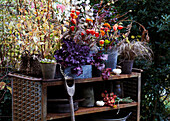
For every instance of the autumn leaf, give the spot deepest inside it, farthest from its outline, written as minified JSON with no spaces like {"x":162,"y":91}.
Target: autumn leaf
{"x":2,"y":85}
{"x":10,"y":89}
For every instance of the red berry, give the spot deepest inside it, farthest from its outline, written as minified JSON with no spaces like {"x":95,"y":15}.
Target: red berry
{"x":73,"y":21}
{"x":77,"y":12}
{"x":111,"y":98}
{"x":92,"y":32}
{"x":115,"y":27}
{"x":111,"y":105}
{"x":109,"y":102}
{"x":72,"y":28}
{"x":72,"y":15}
{"x":97,"y":34}
{"x":103,"y":95}
{"x":114,"y":96}
{"x":105,"y":91}
{"x":105,"y":99}
{"x":82,"y":34}
{"x":72,"y":10}
{"x":112,"y":101}
{"x":120,"y":27}
{"x":111,"y":94}
{"x":101,"y":42}
{"x":88,"y":31}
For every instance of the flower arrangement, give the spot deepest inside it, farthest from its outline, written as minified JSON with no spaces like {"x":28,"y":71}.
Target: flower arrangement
{"x":77,"y":39}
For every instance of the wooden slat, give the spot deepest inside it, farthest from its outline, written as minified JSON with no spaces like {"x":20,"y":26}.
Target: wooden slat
{"x":52,"y":82}
{"x":82,"y":111}
{"x":94,"y":79}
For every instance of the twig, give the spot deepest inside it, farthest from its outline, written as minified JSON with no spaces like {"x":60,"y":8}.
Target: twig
{"x":3,"y":95}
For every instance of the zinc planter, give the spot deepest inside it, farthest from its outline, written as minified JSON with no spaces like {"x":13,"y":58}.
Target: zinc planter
{"x":112,"y":58}
{"x":87,"y":94}
{"x":87,"y":72}
{"x":48,"y":70}
{"x":127,"y":66}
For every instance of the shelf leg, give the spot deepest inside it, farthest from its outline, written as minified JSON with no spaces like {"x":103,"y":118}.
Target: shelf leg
{"x":44,"y":103}
{"x":139,"y":96}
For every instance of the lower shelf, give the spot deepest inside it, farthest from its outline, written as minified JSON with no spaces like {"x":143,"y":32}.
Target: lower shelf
{"x":83,"y":110}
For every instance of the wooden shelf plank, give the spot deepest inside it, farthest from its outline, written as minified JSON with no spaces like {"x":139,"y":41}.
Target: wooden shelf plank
{"x":83,"y":110}
{"x":94,"y":79}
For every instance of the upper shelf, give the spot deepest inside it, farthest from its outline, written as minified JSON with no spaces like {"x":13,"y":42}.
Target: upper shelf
{"x":51,"y":82}
{"x":94,"y":79}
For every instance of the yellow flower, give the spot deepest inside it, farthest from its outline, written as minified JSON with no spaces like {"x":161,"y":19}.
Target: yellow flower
{"x":138,"y":36}
{"x":133,"y":37}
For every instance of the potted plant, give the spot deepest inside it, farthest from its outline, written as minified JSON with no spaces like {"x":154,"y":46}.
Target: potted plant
{"x":128,"y":51}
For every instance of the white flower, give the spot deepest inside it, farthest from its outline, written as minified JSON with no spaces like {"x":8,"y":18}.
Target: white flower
{"x":88,"y":1}
{"x":87,"y":8}
{"x":130,"y":10}
{"x":99,"y":103}
{"x":117,"y":71}
{"x":91,"y":14}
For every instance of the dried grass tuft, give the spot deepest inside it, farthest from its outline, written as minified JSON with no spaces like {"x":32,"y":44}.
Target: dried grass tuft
{"x":133,"y":49}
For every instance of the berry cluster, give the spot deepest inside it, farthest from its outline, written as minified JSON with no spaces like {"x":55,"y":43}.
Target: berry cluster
{"x":109,"y":99}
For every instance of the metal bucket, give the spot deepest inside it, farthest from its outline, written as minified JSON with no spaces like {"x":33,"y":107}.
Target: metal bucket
{"x":112,"y":58}
{"x":55,"y":106}
{"x":87,"y":72}
{"x":48,"y":70}
{"x":127,"y":66}
{"x":111,"y":118}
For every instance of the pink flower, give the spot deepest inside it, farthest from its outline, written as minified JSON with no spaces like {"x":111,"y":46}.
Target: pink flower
{"x":32,"y":5}
{"x":41,"y":4}
{"x":62,"y":7}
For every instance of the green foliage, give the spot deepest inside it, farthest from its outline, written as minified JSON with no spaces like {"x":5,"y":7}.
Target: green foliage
{"x":154,"y":15}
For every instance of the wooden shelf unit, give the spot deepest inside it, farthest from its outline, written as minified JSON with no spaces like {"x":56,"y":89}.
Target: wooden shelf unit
{"x":34,"y":91}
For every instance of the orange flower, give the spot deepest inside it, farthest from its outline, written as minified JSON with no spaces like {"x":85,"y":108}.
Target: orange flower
{"x":88,"y":20}
{"x":107,"y":25}
{"x":102,"y":32}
